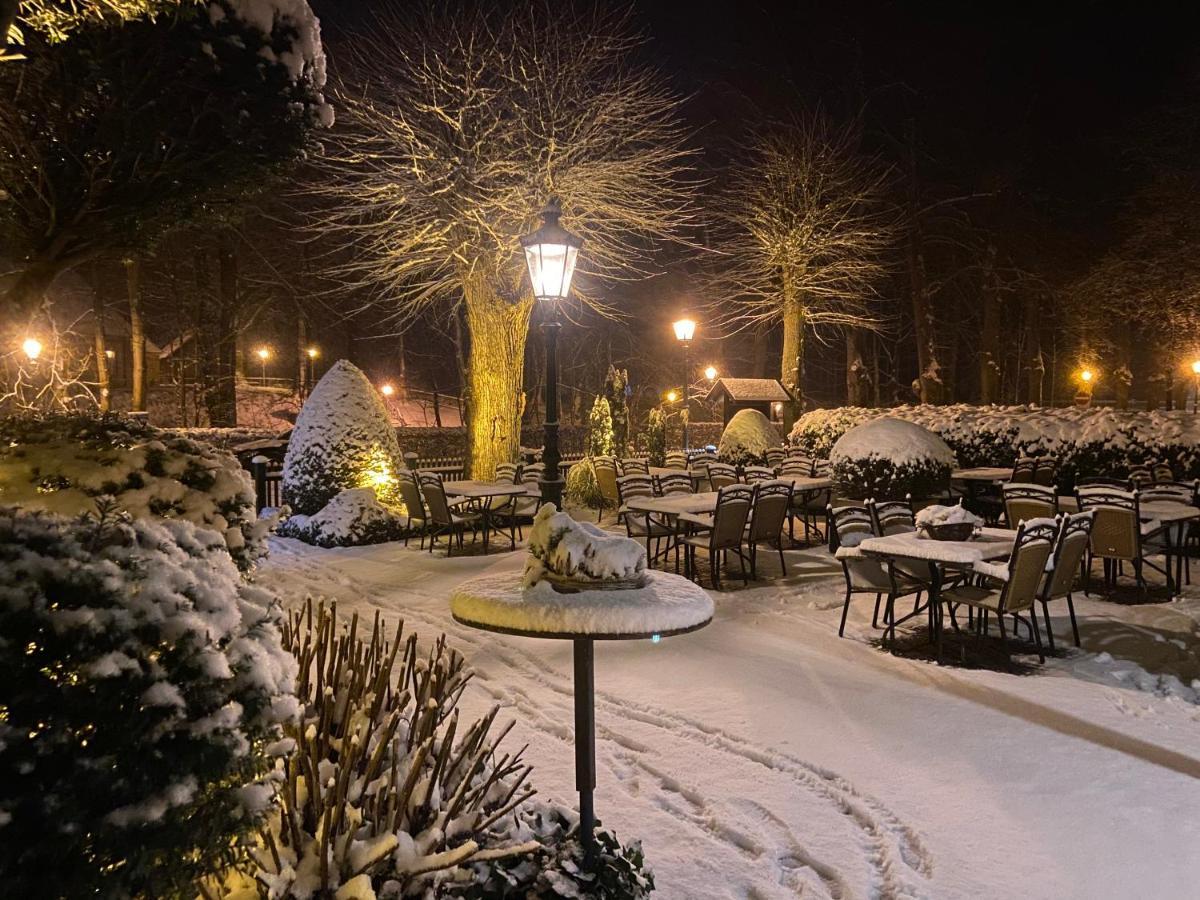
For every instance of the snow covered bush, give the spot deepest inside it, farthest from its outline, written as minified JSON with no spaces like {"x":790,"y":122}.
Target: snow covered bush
{"x":889,"y":458}
{"x":144,"y":682}
{"x":343,"y":439}
{"x":582,"y":488}
{"x":656,"y":437}
{"x":388,"y":794}
{"x":600,"y":429}
{"x":561,"y":546}
{"x":63,"y":463}
{"x":746,"y":439}
{"x":351,"y":519}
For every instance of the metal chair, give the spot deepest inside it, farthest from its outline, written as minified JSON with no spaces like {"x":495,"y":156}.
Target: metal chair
{"x":504,"y":509}
{"x":720,"y":535}
{"x":797,"y":467}
{"x":635,"y":466}
{"x":1162,"y":472}
{"x":772,"y":500}
{"x":1141,"y":476}
{"x":673,"y":483}
{"x":755,"y":474}
{"x":1118,"y":534}
{"x":892,"y":516}
{"x":1020,"y":586}
{"x":675,"y":459}
{"x":605,"y":468}
{"x":1045,"y":472}
{"x":775,"y":456}
{"x":414,"y":504}
{"x":1028,"y":501}
{"x":641,"y":525}
{"x":1104,"y":481}
{"x":443,"y":521}
{"x":847,"y":527}
{"x":1023,"y":470}
{"x":720,"y":475}
{"x":1074,"y":536}
{"x":532,"y":473}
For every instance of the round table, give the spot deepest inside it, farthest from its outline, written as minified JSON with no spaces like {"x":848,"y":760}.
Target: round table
{"x":667,"y":605}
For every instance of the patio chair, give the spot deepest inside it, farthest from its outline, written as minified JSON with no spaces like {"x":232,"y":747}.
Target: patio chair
{"x":1074,"y":535}
{"x":1141,"y":476}
{"x":635,"y":466}
{"x":640,"y":525}
{"x":1028,"y":501}
{"x":755,"y":474}
{"x":673,"y":483}
{"x":809,"y":506}
{"x":1046,"y":471}
{"x":1023,"y":470}
{"x":1162,"y":473}
{"x":506,"y":473}
{"x":775,"y":456}
{"x":721,"y":534}
{"x":605,"y":468}
{"x":532,"y":473}
{"x":892,"y":516}
{"x":772,"y":500}
{"x":1188,"y":493}
{"x":1119,"y":535}
{"x":721,"y":475}
{"x":797,"y":467}
{"x":847,"y":527}
{"x":442,"y":519}
{"x":414,"y":505}
{"x":1019,"y":583}
{"x":822,"y":468}
{"x":675,"y":459}
{"x":700,"y":459}
{"x":504,"y":509}
{"x":1104,"y":481}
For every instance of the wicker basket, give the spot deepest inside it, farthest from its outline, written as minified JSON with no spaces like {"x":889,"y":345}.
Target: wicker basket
{"x":566,"y":585}
{"x":955,"y":531}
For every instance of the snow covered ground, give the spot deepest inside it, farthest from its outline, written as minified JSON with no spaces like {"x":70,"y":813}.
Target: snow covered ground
{"x":763,"y":757}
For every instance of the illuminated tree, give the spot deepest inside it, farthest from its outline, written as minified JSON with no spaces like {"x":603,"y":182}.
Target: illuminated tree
{"x":456,"y":128}
{"x":600,"y":429}
{"x":804,"y":231}
{"x":57,"y":19}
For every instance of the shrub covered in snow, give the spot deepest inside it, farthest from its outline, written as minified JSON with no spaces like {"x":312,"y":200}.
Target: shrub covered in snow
{"x":388,"y":794}
{"x":343,"y":439}
{"x":63,"y":463}
{"x":562,"y":546}
{"x":889,"y":458}
{"x":600,"y":429}
{"x":1085,"y":441}
{"x":143,"y":682}
{"x":582,"y":488}
{"x":655,"y":439}
{"x":350,"y":519}
{"x":746,"y":439}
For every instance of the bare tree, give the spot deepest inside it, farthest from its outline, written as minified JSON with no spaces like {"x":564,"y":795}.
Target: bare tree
{"x":456,"y":126}
{"x":803,"y":231}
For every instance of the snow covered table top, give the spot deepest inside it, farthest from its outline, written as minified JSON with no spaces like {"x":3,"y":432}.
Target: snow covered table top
{"x":668,"y":604}
{"x":1162,"y":510}
{"x":981,"y":473}
{"x":992,"y":543}
{"x":477,"y":489}
{"x":818,"y":483}
{"x":675,"y":504}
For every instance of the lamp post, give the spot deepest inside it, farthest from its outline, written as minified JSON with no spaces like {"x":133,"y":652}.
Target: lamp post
{"x":550,"y":254}
{"x":685,"y":330}
{"x":263,"y":355}
{"x":312,"y":353}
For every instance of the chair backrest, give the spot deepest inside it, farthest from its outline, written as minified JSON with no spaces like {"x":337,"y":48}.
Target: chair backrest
{"x":847,"y":526}
{"x":1027,"y":564}
{"x":797,"y":467}
{"x":1023,"y":470}
{"x":410,"y":493}
{"x":1169,"y":491}
{"x":734,"y":502}
{"x":635,"y":485}
{"x":892,"y":516}
{"x":1162,"y":472}
{"x":755,"y":474}
{"x":506,"y":473}
{"x":674,"y":483}
{"x":635,"y":466}
{"x":1028,"y":501}
{"x":1141,"y":476}
{"x":532,"y":473}
{"x":701,"y":460}
{"x":1107,"y":481}
{"x":822,"y":467}
{"x":606,"y":478}
{"x":775,"y":456}
{"x":676,"y":460}
{"x":1073,"y":537}
{"x":1045,"y":472}
{"x":771,"y":502}
{"x":434,"y":493}
{"x":1116,"y":531}
{"x":720,"y":475}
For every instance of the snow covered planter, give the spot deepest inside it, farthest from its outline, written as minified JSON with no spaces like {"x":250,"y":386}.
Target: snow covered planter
{"x":350,"y":519}
{"x":343,"y":439}
{"x":561,"y":548}
{"x":746,"y":439}
{"x":63,"y":463}
{"x":388,"y":794}
{"x":889,"y":458}
{"x":144,"y":683}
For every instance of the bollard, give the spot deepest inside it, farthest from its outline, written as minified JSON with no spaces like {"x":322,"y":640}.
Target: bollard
{"x":258,"y":470}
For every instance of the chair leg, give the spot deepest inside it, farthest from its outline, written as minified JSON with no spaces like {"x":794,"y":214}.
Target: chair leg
{"x":1074,"y":625}
{"x":1037,"y":638}
{"x":1046,"y":616}
{"x":782,"y":562}
{"x":846,"y":609}
{"x":874,"y":615}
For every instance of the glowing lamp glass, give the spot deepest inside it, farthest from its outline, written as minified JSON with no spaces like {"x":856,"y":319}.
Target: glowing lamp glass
{"x":32,"y":348}
{"x":672,"y":396}
{"x":263,"y":353}
{"x":1086,"y":376}
{"x":710,"y":373}
{"x":387,"y":390}
{"x":313,"y":352}
{"x":685,"y":329}
{"x":551,"y":253}
{"x":1196,"y":367}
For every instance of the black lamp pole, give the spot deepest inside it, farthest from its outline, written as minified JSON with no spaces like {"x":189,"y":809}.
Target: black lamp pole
{"x":552,"y":482}
{"x":687,"y":392}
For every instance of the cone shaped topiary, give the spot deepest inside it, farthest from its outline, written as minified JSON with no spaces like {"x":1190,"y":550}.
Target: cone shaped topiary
{"x":747,"y":438}
{"x":343,"y":439}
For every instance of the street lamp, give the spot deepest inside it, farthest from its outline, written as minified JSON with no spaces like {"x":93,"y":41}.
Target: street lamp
{"x":685,"y":330}
{"x":710,"y":373}
{"x":32,"y":348}
{"x":387,"y":390}
{"x":312,"y":353}
{"x":263,"y":355}
{"x":1087,"y":376}
{"x":672,"y":396}
{"x":550,"y":254}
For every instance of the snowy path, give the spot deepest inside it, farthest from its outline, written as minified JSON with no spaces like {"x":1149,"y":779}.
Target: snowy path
{"x":762,"y":757}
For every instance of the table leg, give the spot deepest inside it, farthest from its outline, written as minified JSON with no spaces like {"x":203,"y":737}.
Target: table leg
{"x":585,"y":742}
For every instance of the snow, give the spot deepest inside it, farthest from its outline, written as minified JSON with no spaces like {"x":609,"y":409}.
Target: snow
{"x":900,"y":442}
{"x":667,"y":602}
{"x":580,"y":550}
{"x":946,"y":515}
{"x":352,"y":517}
{"x":747,"y":438}
{"x":991,"y":543}
{"x":763,"y":757}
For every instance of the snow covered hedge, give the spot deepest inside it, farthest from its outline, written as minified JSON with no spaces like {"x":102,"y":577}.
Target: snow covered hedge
{"x":890,"y":458}
{"x":143,"y":683}
{"x":343,"y":439}
{"x":63,"y":463}
{"x":350,"y":519}
{"x":746,"y":439}
{"x":1085,"y":441}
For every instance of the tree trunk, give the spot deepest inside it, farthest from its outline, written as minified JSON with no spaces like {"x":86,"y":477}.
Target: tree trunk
{"x":989,"y":335}
{"x":495,"y":376}
{"x":137,"y":333}
{"x":1122,"y":375}
{"x":1035,"y":366}
{"x":222,"y":397}
{"x":792,"y":358}
{"x":931,"y":388}
{"x":858,"y":375}
{"x":302,"y":385}
{"x":102,"y":377}
{"x":759,"y":366}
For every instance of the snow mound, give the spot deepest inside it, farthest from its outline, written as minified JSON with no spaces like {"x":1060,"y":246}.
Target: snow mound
{"x":560,"y":545}
{"x":947,"y":515}
{"x":350,"y":519}
{"x":343,"y":439}
{"x":747,"y":438}
{"x":896,"y":440}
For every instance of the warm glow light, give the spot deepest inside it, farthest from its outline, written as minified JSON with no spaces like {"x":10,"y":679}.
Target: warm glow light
{"x":387,"y":390}
{"x":685,"y":329}
{"x":1196,"y":367}
{"x":710,"y":373}
{"x":313,"y":352}
{"x":672,"y":396}
{"x":550,"y":255}
{"x":111,"y":354}
{"x":263,"y":353}
{"x":32,"y":348}
{"x":778,"y":407}
{"x":1086,"y":376}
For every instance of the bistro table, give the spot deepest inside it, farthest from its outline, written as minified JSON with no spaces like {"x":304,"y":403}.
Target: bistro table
{"x":986,"y":474}
{"x":665,"y":605}
{"x":990,"y":544}
{"x":479,"y":492}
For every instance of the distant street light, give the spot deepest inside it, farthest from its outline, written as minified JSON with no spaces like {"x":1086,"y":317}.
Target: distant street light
{"x":551,"y":253}
{"x":672,"y":396}
{"x":1196,"y":386}
{"x":312,"y":353}
{"x":685,"y":330}
{"x":32,"y":348}
{"x":387,"y":390}
{"x":263,"y":355}
{"x":711,"y":373}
